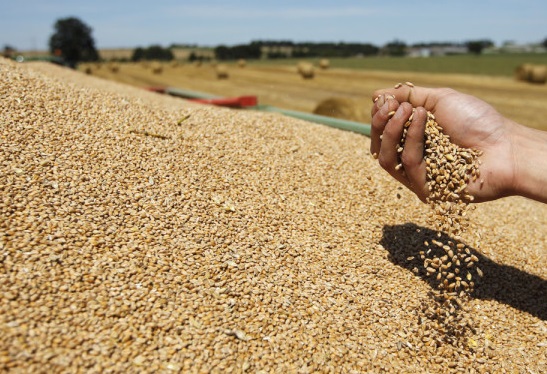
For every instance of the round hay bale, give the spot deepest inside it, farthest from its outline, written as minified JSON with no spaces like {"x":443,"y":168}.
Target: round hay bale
{"x":114,"y":67}
{"x":344,"y":108}
{"x":531,"y":73}
{"x":522,"y":72}
{"x":88,"y":70}
{"x":157,"y":68}
{"x":538,"y":74}
{"x":222,"y":71}
{"x":324,"y":63}
{"x":241,"y":63}
{"x":306,"y":70}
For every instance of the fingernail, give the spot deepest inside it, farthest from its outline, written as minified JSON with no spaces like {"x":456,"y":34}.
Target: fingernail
{"x":380,"y":100}
{"x":385,"y":107}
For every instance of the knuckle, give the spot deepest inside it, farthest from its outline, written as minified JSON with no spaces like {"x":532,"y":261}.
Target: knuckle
{"x":377,"y":126}
{"x":420,"y":114}
{"x":383,"y":161}
{"x":410,"y":160}
{"x":392,"y":130}
{"x":406,"y":106}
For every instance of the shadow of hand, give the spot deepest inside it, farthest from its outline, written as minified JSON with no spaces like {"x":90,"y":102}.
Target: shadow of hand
{"x":503,"y":283}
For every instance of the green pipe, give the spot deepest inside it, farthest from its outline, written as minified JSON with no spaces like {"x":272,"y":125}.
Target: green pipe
{"x":189,"y":94}
{"x":360,"y":128}
{"x":338,"y":123}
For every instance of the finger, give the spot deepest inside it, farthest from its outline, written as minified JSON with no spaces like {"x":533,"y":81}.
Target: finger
{"x":379,"y":122}
{"x":412,"y":157}
{"x":378,"y":103}
{"x":388,"y":156}
{"x":415,"y":95}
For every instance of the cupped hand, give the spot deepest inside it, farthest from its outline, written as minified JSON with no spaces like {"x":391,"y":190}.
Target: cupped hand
{"x":470,"y":123}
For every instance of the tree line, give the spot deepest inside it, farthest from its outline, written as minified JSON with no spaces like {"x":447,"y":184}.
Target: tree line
{"x":72,"y":42}
{"x":276,"y":49}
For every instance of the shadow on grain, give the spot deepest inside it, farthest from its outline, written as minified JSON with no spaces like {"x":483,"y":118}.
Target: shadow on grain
{"x":503,"y":283}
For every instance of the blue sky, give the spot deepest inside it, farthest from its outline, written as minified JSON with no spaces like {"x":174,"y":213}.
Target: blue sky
{"x":28,"y":24}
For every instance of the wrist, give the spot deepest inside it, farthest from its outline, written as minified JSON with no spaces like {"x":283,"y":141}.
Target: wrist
{"x":529,"y":154}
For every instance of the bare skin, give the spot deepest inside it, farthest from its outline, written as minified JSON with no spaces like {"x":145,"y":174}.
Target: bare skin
{"x":514,"y":159}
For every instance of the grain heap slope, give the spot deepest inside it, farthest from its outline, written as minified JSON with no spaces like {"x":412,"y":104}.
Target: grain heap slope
{"x":140,"y":233}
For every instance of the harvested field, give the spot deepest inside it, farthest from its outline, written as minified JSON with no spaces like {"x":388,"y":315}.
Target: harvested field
{"x":281,"y":86}
{"x":142,"y":233}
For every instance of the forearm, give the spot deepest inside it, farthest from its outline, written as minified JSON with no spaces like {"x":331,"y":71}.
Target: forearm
{"x":530,"y":158}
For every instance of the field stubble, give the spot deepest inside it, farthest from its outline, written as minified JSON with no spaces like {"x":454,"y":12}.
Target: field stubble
{"x":281,"y":86}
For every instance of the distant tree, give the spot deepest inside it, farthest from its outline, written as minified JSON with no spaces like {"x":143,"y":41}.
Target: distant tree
{"x":178,"y":45}
{"x":274,"y":49}
{"x":395,"y":48}
{"x":73,"y":42}
{"x":195,"y":57}
{"x":138,"y":54}
{"x":9,"y":51}
{"x":276,"y":55}
{"x":246,"y":51}
{"x":544,"y":43}
{"x":154,"y":52}
{"x":222,"y":52}
{"x":301,"y":51}
{"x":476,"y":46}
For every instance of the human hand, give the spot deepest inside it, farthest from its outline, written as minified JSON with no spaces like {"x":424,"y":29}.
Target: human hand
{"x":470,"y":123}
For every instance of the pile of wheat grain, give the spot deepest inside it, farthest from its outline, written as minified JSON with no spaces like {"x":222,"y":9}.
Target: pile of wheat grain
{"x":140,"y":233}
